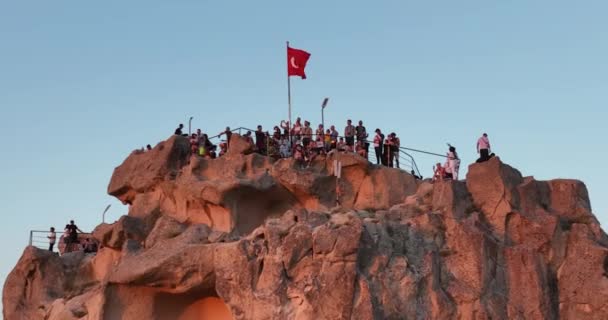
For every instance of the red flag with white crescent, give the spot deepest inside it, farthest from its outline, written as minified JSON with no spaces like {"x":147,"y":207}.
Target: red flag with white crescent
{"x":296,"y":62}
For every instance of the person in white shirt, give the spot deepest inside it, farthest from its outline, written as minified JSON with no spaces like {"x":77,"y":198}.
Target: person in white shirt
{"x":483,"y":148}
{"x":52,"y":239}
{"x":453,"y":163}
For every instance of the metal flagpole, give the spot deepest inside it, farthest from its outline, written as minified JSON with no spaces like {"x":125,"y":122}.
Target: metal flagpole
{"x":289,"y":93}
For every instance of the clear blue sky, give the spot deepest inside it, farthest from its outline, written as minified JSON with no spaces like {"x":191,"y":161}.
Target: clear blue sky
{"x":83,"y":83}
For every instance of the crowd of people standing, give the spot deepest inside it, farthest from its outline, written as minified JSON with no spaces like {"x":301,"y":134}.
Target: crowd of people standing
{"x":302,"y":143}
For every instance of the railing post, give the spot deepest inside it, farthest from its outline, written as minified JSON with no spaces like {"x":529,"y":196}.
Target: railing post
{"x":31,"y":236}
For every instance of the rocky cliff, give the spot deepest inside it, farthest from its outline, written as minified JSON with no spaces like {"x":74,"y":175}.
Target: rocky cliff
{"x":247,"y":237}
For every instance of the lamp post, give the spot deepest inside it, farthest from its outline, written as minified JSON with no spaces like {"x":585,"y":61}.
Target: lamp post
{"x":103,"y":215}
{"x":190,"y":126}
{"x":323,"y":105}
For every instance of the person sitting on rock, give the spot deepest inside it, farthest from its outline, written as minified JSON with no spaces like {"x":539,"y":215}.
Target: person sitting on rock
{"x":89,"y":246}
{"x":298,"y":154}
{"x":178,"y":131}
{"x":249,"y":140}
{"x":223,"y":148}
{"x":361,"y":149}
{"x":284,"y":149}
{"x":438,"y":172}
{"x":310,"y":153}
{"x":341,"y":146}
{"x":273,"y":148}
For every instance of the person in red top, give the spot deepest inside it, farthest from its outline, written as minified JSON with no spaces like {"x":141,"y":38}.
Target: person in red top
{"x":439,"y":172}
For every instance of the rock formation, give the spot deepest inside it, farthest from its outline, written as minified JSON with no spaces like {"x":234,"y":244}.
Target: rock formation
{"x":248,"y":237}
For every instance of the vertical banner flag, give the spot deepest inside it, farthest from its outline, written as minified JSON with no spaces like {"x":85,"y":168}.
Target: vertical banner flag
{"x":296,"y":62}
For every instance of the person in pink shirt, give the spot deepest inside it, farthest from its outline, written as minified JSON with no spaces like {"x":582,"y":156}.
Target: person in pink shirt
{"x":483,"y":148}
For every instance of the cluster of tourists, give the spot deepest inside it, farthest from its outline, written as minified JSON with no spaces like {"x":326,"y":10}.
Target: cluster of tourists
{"x":449,"y":170}
{"x":71,"y":239}
{"x":303,"y":143}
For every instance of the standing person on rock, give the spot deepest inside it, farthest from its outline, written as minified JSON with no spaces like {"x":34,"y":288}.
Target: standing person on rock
{"x":320,"y":133}
{"x":453,"y":162}
{"x":72,"y":231}
{"x":349,"y":133}
{"x":362,"y":135}
{"x":52,"y":239}
{"x":296,"y":131}
{"x":334,"y":137}
{"x":395,"y":145}
{"x":306,"y":134}
{"x":260,"y":140}
{"x":228,"y":134}
{"x":378,"y":145}
{"x":483,"y":148}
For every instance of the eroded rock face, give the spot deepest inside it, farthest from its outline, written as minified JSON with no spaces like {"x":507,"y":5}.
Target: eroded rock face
{"x":246,"y":237}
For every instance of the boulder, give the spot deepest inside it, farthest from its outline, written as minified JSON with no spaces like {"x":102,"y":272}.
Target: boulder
{"x":492,"y":185}
{"x":142,"y":171}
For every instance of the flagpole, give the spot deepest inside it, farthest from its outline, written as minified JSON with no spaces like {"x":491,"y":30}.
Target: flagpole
{"x":289,"y":97}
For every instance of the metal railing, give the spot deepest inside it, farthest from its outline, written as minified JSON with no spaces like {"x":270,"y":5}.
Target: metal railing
{"x":40,"y":240}
{"x":405,"y":156}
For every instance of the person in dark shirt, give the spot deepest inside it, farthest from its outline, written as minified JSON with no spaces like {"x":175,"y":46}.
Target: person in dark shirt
{"x":228,"y":134}
{"x":362,"y":135}
{"x":73,"y":231}
{"x":72,"y":235}
{"x":260,"y":140}
{"x":178,"y":131}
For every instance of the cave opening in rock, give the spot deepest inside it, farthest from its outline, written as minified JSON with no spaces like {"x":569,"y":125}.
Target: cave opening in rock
{"x":250,"y":206}
{"x":191,"y":306}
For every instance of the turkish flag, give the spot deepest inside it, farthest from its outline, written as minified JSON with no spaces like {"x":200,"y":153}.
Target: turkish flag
{"x":296,"y":62}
